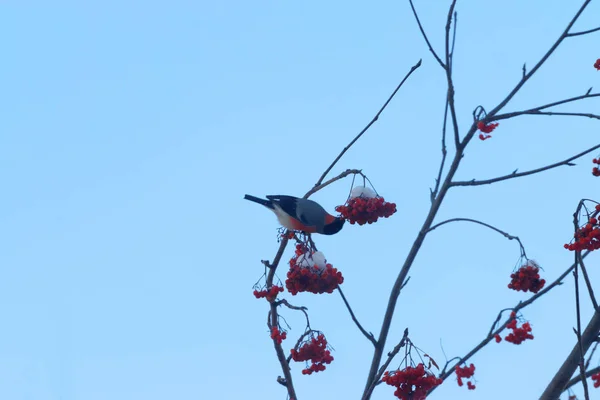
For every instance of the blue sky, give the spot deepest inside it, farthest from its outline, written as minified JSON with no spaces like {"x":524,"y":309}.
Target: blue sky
{"x":130,"y":132}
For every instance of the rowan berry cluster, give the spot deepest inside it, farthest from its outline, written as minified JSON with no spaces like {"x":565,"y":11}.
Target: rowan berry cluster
{"x":518,"y":334}
{"x":412,"y":383}
{"x":277,"y":335}
{"x":597,"y":64}
{"x":304,"y":280}
{"x":527,"y":278}
{"x":596,"y":377}
{"x":486,"y":129}
{"x":363,"y":210}
{"x":313,"y":350}
{"x":588,"y":236}
{"x":596,"y":170}
{"x":466,"y":373}
{"x":310,"y":277}
{"x":270,"y":294}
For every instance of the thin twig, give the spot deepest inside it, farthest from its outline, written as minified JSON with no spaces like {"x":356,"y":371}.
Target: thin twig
{"x":474,"y":182}
{"x":453,"y":38}
{"x":578,"y":330}
{"x":539,"y":108}
{"x":584,"y":32}
{"x":505,"y":234}
{"x":577,"y":379}
{"x":344,"y":174}
{"x":498,"y":318}
{"x":368,"y":335}
{"x":438,"y":180}
{"x":588,"y":282}
{"x":437,"y":58}
{"x":587,"y":363}
{"x":449,"y":77}
{"x":541,"y":62}
{"x":547,"y":113}
{"x":414,"y":67}
{"x":297,"y":308}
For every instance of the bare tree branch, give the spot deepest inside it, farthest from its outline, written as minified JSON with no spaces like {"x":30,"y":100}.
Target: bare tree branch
{"x":344,"y":174}
{"x":366,"y":128}
{"x":539,"y":108}
{"x":588,"y":282}
{"x":368,"y":335}
{"x":519,"y":174}
{"x":583,"y":32}
{"x":418,"y":242}
{"x":297,"y":308}
{"x":528,"y":75}
{"x":437,"y":58}
{"x":587,"y":363}
{"x":568,"y":114}
{"x":438,"y":180}
{"x":577,"y":379}
{"x":581,"y":360}
{"x":450,"y":93}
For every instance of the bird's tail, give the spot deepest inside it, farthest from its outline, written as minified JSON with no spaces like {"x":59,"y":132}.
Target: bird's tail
{"x":266,"y":203}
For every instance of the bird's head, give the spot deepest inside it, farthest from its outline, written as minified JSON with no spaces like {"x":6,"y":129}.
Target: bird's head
{"x":334,"y":227}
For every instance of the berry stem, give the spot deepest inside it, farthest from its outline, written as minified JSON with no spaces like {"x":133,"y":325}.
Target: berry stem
{"x":506,"y":235}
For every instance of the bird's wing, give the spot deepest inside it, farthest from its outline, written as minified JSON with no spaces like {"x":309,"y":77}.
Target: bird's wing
{"x":310,"y":212}
{"x":289,"y":204}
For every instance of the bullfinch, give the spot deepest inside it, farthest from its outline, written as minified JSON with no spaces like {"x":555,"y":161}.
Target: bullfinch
{"x":301,"y":214}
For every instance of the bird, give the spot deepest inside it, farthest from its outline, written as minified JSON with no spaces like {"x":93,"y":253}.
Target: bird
{"x":300,"y":214}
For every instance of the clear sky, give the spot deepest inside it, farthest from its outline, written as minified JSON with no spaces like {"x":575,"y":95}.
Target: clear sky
{"x":130,"y":132}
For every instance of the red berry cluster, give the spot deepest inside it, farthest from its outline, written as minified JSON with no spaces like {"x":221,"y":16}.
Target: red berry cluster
{"x":311,"y":279}
{"x":597,"y":64}
{"x":486,"y":129}
{"x":412,"y":383}
{"x":364,"y":210}
{"x":527,"y":278}
{"x":596,"y":170}
{"x":596,"y":377}
{"x":270,"y":294}
{"x":315,"y":351}
{"x":465,"y":372}
{"x":277,"y":335}
{"x":519,"y":334}
{"x":588,"y":236}
{"x":498,"y":338}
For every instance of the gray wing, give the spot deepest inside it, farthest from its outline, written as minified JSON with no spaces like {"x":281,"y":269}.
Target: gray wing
{"x":310,"y":213}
